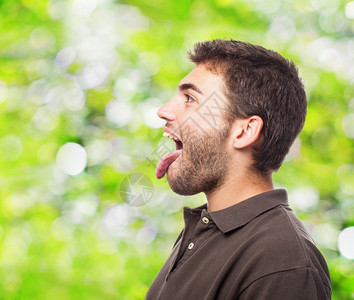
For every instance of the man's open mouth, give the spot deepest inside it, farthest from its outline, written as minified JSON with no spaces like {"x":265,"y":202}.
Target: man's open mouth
{"x":166,"y":160}
{"x":179,"y":144}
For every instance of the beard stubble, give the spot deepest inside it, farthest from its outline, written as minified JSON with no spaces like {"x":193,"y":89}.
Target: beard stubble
{"x":204,"y":164}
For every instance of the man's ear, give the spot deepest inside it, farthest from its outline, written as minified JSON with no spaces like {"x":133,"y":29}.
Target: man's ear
{"x":246,"y":131}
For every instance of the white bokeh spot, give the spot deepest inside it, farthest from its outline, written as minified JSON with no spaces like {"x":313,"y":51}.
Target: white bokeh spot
{"x":71,"y":158}
{"x":349,"y":10}
{"x":119,"y":113}
{"x":346,"y":242}
{"x":305,"y":198}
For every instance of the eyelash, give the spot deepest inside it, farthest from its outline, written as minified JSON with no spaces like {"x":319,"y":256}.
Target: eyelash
{"x":188,"y":96}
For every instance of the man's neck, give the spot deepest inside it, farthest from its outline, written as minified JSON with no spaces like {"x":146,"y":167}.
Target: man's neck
{"x":237,"y":189}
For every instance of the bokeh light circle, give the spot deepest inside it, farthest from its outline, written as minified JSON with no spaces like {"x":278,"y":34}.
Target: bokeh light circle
{"x":71,"y":158}
{"x":349,"y":10}
{"x":346,"y":242}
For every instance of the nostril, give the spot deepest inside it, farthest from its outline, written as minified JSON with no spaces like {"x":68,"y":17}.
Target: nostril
{"x":165,"y":113}
{"x":160,"y":112}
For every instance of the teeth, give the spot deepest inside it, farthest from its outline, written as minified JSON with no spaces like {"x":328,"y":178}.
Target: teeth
{"x":170,"y":136}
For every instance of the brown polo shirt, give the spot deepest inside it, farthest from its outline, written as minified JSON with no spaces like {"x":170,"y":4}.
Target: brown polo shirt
{"x":256,"y":249}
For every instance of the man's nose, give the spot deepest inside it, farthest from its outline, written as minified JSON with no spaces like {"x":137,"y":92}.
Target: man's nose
{"x":165,"y":112}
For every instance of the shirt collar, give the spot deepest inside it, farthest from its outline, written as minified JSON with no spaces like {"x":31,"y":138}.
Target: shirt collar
{"x":243,"y":212}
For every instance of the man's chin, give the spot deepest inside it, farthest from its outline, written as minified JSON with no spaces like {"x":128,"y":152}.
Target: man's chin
{"x":179,"y":185}
{"x":182,"y":192}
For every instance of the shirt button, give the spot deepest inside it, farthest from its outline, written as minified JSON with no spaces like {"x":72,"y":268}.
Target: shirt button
{"x":205,"y":220}
{"x":190,"y":246}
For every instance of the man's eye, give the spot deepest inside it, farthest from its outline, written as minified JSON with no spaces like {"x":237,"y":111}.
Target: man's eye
{"x":189,"y":99}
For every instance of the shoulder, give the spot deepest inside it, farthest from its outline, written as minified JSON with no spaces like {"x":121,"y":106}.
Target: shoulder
{"x":273,"y":255}
{"x":303,"y":283}
{"x":276,"y":241}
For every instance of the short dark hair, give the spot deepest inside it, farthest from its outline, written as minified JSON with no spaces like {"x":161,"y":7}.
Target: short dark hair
{"x":258,"y":82}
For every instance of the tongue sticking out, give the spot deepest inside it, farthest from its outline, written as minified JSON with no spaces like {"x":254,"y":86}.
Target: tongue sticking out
{"x":165,"y":161}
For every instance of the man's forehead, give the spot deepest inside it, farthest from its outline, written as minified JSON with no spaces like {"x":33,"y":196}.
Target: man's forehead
{"x":202,"y":80}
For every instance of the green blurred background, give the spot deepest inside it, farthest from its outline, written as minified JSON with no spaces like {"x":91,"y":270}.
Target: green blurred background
{"x":80,"y":85}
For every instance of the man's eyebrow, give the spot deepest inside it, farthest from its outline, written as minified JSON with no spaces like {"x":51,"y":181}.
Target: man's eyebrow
{"x":189,"y":86}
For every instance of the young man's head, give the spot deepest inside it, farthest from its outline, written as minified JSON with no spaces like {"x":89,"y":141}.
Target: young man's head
{"x":258,"y":82}
{"x":240,"y":108}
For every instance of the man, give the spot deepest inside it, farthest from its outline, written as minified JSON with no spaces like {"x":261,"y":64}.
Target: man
{"x":234,"y":118}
